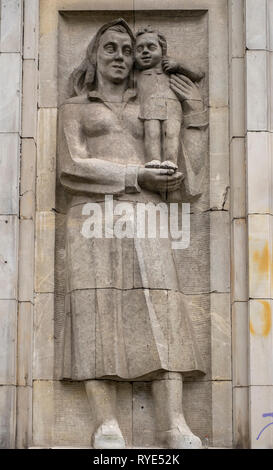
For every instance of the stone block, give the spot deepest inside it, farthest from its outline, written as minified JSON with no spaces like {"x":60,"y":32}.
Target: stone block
{"x":27,"y":205}
{"x":8,"y":341}
{"x":256,"y":83}
{"x":220,"y":252}
{"x":260,"y":342}
{"x":270,"y":28}
{"x":10,"y":99}
{"x":222,"y":414}
{"x":46,"y":159}
{"x":24,"y":417}
{"x":31,"y":26}
{"x":9,"y":173}
{"x":43,"y":348}
{"x":8,"y":416}
{"x":237,"y":178}
{"x":62,"y":417}
{"x":241,"y":417}
{"x":196,"y":396}
{"x":237,"y":98}
{"x":219,"y":159}
{"x":28,"y":166}
{"x":261,"y":403}
{"x":29,"y":105}
{"x":256,"y":24}
{"x":26,"y":260}
{"x":43,"y":413}
{"x":236,"y":32}
{"x":220,"y":337}
{"x":8,"y":256}
{"x":143,"y":415}
{"x":11,"y":25}
{"x":260,"y":232}
{"x":44,"y":252}
{"x":260,"y":173}
{"x":240,"y":328}
{"x":25,"y":348}
{"x":239,"y":260}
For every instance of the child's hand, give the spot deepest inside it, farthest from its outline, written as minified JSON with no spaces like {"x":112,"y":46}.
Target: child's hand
{"x":169,"y":65}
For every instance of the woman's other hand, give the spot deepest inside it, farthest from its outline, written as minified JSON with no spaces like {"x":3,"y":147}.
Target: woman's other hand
{"x":187,"y":92}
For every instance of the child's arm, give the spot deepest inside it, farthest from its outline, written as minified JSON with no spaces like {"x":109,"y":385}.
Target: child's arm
{"x":170,"y":66}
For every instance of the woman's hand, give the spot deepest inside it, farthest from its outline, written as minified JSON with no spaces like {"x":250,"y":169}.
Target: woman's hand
{"x":159,"y":180}
{"x":187,"y":92}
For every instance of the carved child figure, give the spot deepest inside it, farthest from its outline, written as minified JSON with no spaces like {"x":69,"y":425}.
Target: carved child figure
{"x":160,"y":108}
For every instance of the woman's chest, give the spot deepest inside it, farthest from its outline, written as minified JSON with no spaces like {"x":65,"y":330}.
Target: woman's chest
{"x":101,"y":120}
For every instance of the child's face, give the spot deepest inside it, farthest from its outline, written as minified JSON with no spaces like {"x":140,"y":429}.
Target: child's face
{"x":148,"y":52}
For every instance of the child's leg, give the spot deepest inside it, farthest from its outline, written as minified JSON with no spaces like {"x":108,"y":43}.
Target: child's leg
{"x":171,"y":139}
{"x":152,"y":140}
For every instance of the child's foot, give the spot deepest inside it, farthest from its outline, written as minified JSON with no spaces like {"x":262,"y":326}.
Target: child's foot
{"x":169,"y":165}
{"x":153,"y":164}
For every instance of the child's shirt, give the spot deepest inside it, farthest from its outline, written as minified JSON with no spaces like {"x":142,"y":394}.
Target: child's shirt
{"x":155,"y":94}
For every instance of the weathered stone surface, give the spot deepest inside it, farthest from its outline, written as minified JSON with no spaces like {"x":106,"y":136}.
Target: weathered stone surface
{"x":26,"y":257}
{"x":236,"y":29}
{"x":23,"y":417}
{"x":220,"y":337}
{"x":62,"y":417}
{"x":219,"y":160}
{"x":241,"y":417}
{"x":240,"y":349}
{"x":28,"y":166}
{"x":238,"y":178}
{"x":8,"y":416}
{"x":11,"y":25}
{"x":43,"y":413}
{"x":10,"y":78}
{"x":8,"y":341}
{"x":261,"y":402}
{"x":260,"y":172}
{"x":260,"y":342}
{"x":239,"y":260}
{"x":29,"y":104}
{"x":143,"y":415}
{"x":31,"y":21}
{"x":222,"y":414}
{"x":25,"y":347}
{"x":8,"y":257}
{"x":219,"y":254}
{"x":237,"y":100}
{"x":44,"y":252}
{"x":256,"y":82}
{"x":43,"y":348}
{"x":46,"y":159}
{"x":9,"y":173}
{"x":260,"y":256}
{"x":256,"y":24}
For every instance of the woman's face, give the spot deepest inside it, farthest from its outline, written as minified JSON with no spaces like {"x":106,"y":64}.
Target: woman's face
{"x":115,"y":56}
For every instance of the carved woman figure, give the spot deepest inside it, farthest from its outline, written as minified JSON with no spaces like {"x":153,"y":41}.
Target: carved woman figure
{"x":125,"y":316}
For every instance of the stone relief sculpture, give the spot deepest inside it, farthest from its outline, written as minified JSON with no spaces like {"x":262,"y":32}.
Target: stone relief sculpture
{"x":125,"y":316}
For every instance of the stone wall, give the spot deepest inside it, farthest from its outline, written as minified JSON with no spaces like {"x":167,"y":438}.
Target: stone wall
{"x":36,"y":408}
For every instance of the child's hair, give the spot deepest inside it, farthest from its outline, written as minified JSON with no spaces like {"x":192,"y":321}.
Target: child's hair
{"x":161,"y":38}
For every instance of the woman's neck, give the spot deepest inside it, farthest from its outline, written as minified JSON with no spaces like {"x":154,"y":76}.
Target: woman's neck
{"x":112,"y":92}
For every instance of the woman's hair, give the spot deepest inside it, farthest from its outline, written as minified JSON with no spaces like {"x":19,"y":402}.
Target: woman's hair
{"x":161,"y":38}
{"x":83,"y":78}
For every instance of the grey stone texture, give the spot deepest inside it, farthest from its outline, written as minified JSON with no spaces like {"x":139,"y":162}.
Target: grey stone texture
{"x":227,"y":281}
